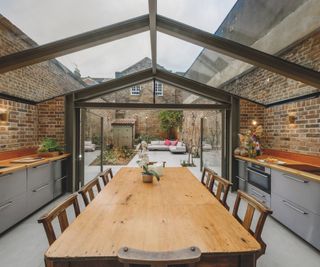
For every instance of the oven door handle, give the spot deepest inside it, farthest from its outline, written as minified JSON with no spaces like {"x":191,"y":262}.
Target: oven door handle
{"x":259,"y":173}
{"x":244,"y":180}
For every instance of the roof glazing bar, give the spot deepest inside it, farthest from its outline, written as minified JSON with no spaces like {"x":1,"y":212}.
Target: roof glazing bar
{"x":153,"y":33}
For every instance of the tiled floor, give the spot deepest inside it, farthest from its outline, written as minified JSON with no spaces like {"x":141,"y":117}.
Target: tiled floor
{"x":25,"y":244}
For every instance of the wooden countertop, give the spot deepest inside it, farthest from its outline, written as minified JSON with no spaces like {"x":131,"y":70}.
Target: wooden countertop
{"x":284,"y":168}
{"x":175,"y":213}
{"x":12,"y":167}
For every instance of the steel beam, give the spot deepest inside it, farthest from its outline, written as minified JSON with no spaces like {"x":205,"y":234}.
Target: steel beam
{"x":153,"y":33}
{"x":238,"y":51}
{"x":75,"y":43}
{"x":193,"y":86}
{"x":98,"y":90}
{"x":97,"y":105}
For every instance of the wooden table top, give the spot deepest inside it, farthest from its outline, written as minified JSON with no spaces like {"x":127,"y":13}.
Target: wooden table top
{"x":175,"y":213}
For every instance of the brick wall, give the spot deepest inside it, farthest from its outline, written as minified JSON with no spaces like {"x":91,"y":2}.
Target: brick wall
{"x":260,"y":85}
{"x":36,"y":82}
{"x":28,"y":124}
{"x":303,"y":136}
{"x":21,"y":129}
{"x":51,"y":119}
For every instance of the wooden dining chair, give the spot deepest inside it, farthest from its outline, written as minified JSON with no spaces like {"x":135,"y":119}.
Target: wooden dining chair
{"x":106,"y":176}
{"x":87,"y":192}
{"x":207,"y":179}
{"x":60,"y":212}
{"x":252,"y":206}
{"x":220,"y":189}
{"x":135,"y":257}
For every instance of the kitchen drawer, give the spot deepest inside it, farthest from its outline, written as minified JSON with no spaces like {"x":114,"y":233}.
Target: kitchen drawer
{"x":297,"y":189}
{"x":242,"y":169}
{"x":300,"y":220}
{"x":59,"y":168}
{"x":260,"y":195}
{"x":39,"y":175}
{"x":59,"y":186}
{"x":12,"y":184}
{"x":12,"y":211}
{"x":39,"y":196}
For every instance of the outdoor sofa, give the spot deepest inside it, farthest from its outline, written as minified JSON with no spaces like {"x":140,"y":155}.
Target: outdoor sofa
{"x":180,"y":147}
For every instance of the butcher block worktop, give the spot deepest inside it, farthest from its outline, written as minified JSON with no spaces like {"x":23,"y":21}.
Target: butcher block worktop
{"x":12,"y":167}
{"x":289,"y":160}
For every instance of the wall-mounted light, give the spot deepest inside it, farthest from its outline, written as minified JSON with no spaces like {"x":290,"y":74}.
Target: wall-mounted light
{"x":254,"y":122}
{"x":4,"y":115}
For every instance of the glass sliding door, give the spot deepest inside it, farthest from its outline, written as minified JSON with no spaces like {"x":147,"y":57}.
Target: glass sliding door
{"x":212,"y":140}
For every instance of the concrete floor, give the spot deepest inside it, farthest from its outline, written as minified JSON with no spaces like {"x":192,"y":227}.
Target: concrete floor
{"x":25,"y":244}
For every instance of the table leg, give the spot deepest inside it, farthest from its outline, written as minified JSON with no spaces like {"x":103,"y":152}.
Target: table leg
{"x":247,"y":260}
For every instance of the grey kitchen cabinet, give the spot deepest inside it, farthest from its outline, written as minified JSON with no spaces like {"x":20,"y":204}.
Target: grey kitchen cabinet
{"x":260,"y":195}
{"x":242,"y":175}
{"x":59,"y":175}
{"x":297,"y":189}
{"x":13,"y":188}
{"x":12,"y":211}
{"x":297,"y":218}
{"x":40,"y":186}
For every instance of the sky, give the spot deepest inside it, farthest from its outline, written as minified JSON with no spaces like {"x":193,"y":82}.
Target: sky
{"x":50,"y":20}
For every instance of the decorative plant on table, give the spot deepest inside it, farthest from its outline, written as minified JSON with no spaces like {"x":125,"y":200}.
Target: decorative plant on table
{"x":49,"y":146}
{"x":250,"y":142}
{"x":147,"y":173}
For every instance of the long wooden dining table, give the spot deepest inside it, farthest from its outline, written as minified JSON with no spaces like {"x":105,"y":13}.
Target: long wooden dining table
{"x":175,"y":213}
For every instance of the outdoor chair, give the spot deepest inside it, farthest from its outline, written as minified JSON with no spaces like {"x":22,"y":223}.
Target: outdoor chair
{"x":106,"y":176}
{"x":60,"y":212}
{"x":87,"y":190}
{"x":135,"y":257}
{"x":220,"y":189}
{"x":252,"y":206}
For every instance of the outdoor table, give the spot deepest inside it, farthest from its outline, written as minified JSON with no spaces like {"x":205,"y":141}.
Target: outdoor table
{"x":175,"y":213}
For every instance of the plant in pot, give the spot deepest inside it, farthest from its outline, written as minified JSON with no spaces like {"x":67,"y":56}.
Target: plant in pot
{"x":49,"y":147}
{"x":147,"y":174}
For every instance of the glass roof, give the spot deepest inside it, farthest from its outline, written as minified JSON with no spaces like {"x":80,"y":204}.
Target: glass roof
{"x":258,"y":24}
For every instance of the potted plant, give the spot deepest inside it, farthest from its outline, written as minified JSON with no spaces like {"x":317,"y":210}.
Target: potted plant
{"x":147,"y":174}
{"x":49,"y":147}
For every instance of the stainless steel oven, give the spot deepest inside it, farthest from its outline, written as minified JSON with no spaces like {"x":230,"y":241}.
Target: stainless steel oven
{"x":259,"y":176}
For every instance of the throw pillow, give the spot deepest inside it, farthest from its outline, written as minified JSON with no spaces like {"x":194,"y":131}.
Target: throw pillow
{"x":167,"y":142}
{"x":174,"y":143}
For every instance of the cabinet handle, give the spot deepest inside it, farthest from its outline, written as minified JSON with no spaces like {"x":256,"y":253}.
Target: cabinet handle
{"x":39,"y":166}
{"x":295,"y":179}
{"x":60,"y":178}
{"x":259,"y":173}
{"x":293,"y":207}
{"x":7,"y":174}
{"x":257,"y":193}
{"x":244,"y":180}
{"x":6,"y":205}
{"x":40,"y":188}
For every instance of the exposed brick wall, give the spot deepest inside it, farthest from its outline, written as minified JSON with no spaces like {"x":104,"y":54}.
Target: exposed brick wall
{"x":51,"y":119}
{"x":37,"y":82}
{"x":21,"y":129}
{"x":250,"y":111}
{"x":303,"y":136}
{"x":28,"y":124}
{"x":267,"y":87}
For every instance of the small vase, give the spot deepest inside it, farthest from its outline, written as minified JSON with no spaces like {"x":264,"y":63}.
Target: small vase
{"x":147,"y":178}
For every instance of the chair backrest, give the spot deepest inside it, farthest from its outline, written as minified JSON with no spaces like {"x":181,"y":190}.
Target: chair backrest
{"x":252,"y":206}
{"x":60,"y":212}
{"x":106,"y":176}
{"x":187,"y":256}
{"x":221,"y":190}
{"x":87,"y":192}
{"x":207,"y":179}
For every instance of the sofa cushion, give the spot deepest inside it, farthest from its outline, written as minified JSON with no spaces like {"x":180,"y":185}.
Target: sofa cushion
{"x":154,"y":142}
{"x":179,"y":144}
{"x":167,"y":142}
